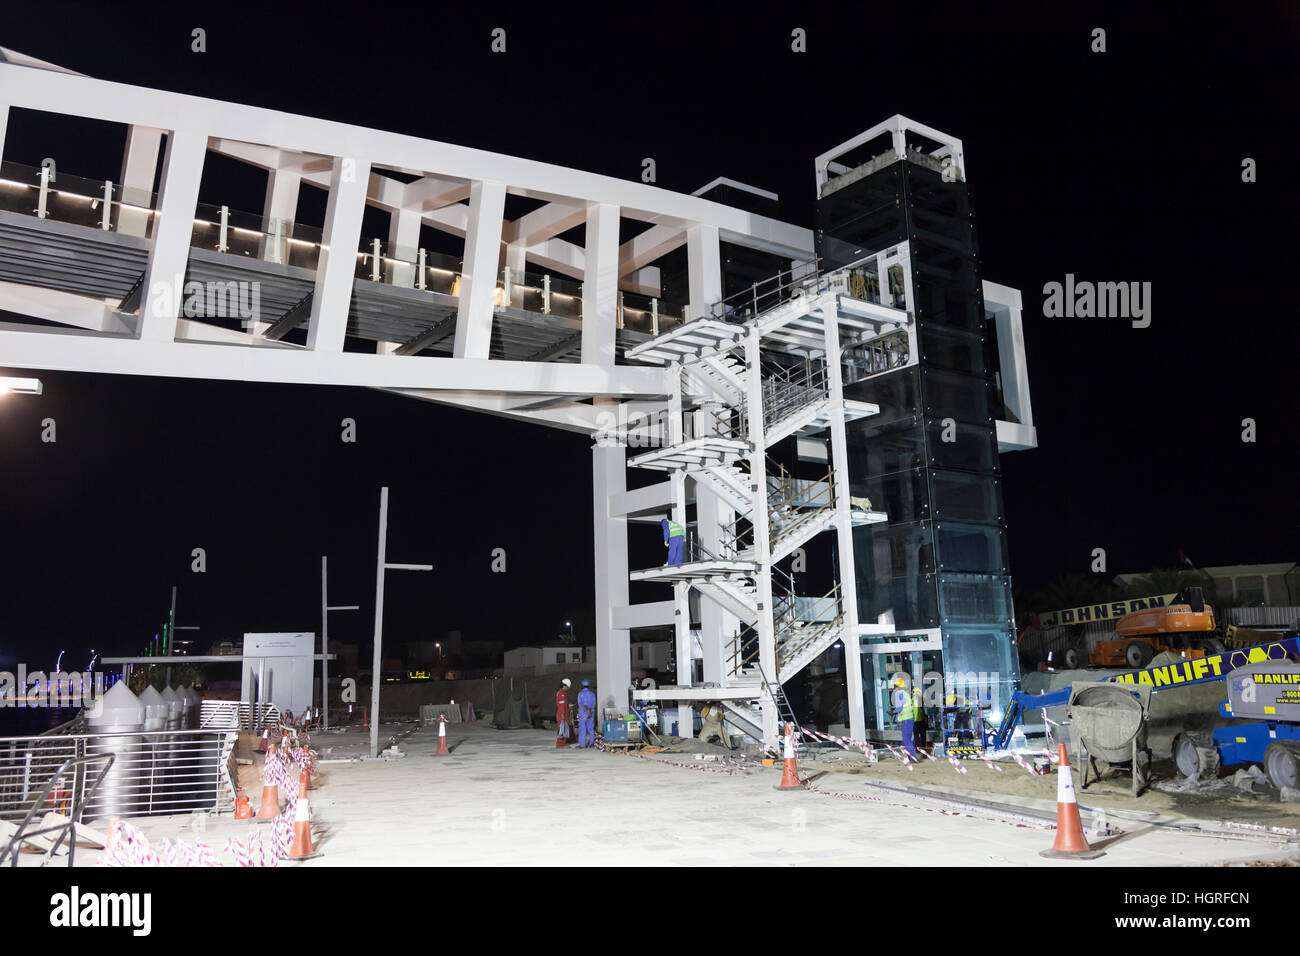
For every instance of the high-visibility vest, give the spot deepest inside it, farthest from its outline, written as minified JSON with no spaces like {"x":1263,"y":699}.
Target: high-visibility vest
{"x":675,"y":530}
{"x":911,"y":706}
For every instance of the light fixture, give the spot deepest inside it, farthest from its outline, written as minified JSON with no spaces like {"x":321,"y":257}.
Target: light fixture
{"x":24,"y":386}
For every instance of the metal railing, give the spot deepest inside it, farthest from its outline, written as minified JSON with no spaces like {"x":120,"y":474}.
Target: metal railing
{"x":805,"y":627}
{"x":791,"y":502}
{"x":733,"y":542}
{"x":797,"y":622}
{"x":765,"y":295}
{"x":786,"y":389}
{"x":744,"y":650}
{"x":238,"y":715}
{"x":66,"y":826}
{"x":718,"y":421}
{"x":153,"y":772}
{"x":883,"y":354}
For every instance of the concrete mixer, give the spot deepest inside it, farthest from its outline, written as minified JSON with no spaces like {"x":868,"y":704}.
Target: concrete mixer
{"x":1109,"y":721}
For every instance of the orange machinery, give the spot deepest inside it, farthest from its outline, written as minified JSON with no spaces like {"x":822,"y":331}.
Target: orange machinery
{"x":1186,"y":627}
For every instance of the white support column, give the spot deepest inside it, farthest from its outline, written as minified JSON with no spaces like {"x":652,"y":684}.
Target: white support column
{"x":704,"y":267}
{"x":4,"y":125}
{"x":517,"y":260}
{"x":613,"y":652}
{"x":169,"y":246}
{"x":337,"y":265}
{"x":844,"y":531}
{"x":517,"y":263}
{"x":600,"y":285}
{"x":762,"y":544}
{"x":403,"y":246}
{"x":281,"y":204}
{"x":1011,"y":356}
{"x":716,"y":625}
{"x":899,"y":139}
{"x":478,"y":283}
{"x":139,"y":163}
{"x":681,"y":589}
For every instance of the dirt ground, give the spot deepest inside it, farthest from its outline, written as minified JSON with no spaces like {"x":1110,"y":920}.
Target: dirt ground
{"x":1214,"y":800}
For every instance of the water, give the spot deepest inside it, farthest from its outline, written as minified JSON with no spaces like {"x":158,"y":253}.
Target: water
{"x":27,"y":721}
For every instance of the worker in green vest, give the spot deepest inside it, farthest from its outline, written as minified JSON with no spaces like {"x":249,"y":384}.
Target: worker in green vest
{"x":908,"y":712}
{"x":674,"y":538}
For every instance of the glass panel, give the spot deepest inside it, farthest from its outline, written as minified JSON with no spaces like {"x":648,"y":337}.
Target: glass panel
{"x":873,"y":451}
{"x":903,"y":495}
{"x":947,"y":289}
{"x":972,"y":447}
{"x":74,"y":199}
{"x":894,"y":392}
{"x":861,"y":217}
{"x":953,"y":349}
{"x":980,"y":661}
{"x":902,"y":601}
{"x":969,"y":497}
{"x":963,"y":397}
{"x":975,"y":599}
{"x":886,"y":551}
{"x":963,"y":547}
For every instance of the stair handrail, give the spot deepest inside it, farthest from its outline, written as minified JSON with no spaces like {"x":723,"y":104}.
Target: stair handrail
{"x":744,"y":305}
{"x":786,"y":492}
{"x":795,"y":637}
{"x":788,"y":388}
{"x":744,"y":649}
{"x":723,"y":421}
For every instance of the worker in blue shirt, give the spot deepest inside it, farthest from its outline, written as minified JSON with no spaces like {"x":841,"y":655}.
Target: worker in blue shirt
{"x":586,"y":715}
{"x":674,"y":537}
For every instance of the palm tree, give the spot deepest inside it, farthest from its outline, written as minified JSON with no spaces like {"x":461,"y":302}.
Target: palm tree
{"x":1159,"y":581}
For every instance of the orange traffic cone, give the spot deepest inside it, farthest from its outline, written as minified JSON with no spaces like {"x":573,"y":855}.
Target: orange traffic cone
{"x":300,"y":847}
{"x":790,"y":774}
{"x":243,"y":807}
{"x":442,"y":737}
{"x":262,"y":741}
{"x":1070,"y":841}
{"x":270,"y":808}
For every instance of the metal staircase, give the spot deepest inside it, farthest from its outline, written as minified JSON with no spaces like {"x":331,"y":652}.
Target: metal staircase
{"x":749,"y":378}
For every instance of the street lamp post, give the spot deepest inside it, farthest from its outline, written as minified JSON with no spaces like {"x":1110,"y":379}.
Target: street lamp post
{"x":382,"y":565}
{"x":325,"y":608}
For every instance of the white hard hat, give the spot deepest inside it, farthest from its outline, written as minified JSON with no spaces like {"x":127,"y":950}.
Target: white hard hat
{"x":566,"y":682}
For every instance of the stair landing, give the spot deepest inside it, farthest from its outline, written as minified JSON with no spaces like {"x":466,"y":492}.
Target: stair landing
{"x":694,"y":570}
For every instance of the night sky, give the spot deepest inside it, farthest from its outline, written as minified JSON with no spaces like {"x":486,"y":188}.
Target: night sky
{"x":1122,"y":166}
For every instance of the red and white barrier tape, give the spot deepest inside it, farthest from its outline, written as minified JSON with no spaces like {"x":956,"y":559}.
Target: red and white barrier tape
{"x":1021,"y":760}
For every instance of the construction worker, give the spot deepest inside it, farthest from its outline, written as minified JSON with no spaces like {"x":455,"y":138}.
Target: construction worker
{"x":674,"y":538}
{"x":562,"y":710}
{"x":908,"y":712}
{"x":586,"y":715}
